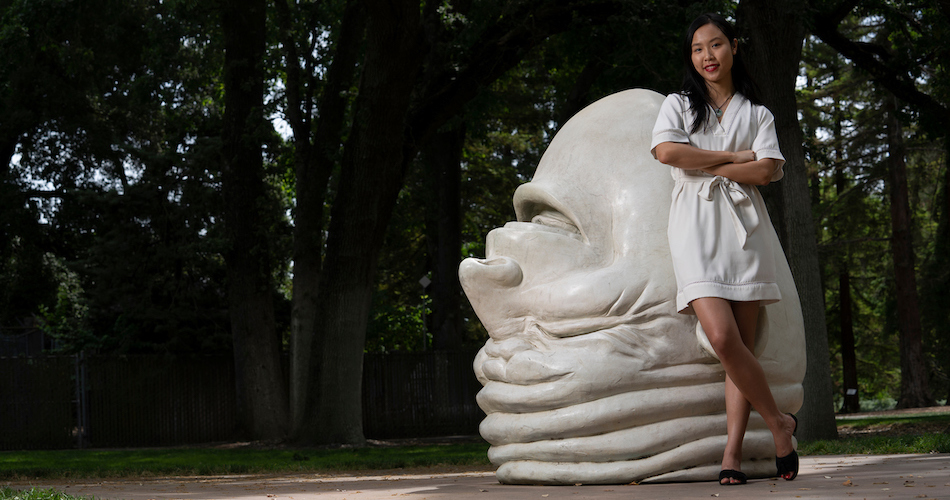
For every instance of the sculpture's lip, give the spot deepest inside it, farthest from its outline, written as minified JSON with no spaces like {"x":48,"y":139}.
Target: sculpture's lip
{"x":529,"y":381}
{"x":521,"y":367}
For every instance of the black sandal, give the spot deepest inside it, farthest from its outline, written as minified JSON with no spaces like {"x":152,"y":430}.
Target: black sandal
{"x":732,"y":474}
{"x":787,"y":466}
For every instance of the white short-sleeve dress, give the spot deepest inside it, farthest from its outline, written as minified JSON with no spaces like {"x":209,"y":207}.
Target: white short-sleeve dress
{"x":719,"y":229}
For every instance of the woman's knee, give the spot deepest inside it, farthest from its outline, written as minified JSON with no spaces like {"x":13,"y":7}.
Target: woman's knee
{"x":723,"y":339}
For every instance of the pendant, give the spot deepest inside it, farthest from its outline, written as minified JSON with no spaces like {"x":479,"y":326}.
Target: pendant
{"x":718,"y":113}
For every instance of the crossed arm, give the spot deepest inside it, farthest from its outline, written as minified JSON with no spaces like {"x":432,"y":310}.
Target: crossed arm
{"x":739,"y":166}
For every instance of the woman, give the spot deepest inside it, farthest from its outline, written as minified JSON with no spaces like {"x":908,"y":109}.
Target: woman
{"x":721,"y":142}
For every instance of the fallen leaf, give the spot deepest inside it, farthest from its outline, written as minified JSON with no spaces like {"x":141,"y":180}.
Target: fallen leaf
{"x":847,"y":483}
{"x":545,"y":495}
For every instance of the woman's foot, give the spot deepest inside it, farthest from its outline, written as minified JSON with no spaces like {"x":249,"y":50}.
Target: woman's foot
{"x":731,"y":472}
{"x":783,"y":444}
{"x":730,"y":477}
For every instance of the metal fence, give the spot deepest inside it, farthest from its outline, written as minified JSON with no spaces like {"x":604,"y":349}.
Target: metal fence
{"x":50,"y":402}
{"x":151,"y":401}
{"x":37,"y":403}
{"x":420,"y":395}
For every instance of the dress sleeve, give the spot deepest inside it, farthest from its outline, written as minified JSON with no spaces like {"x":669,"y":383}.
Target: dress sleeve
{"x":765,"y":144}
{"x":670,"y":125}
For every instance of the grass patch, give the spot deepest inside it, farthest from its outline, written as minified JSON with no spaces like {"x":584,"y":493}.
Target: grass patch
{"x":846,"y":423}
{"x":55,"y":464}
{"x":885,"y":435}
{"x":878,"y":445}
{"x":35,"y":494}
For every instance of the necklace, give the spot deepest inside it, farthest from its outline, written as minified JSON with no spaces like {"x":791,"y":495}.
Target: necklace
{"x":718,"y":109}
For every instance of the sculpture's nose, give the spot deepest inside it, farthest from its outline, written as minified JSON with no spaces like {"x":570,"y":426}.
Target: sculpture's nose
{"x":502,"y":272}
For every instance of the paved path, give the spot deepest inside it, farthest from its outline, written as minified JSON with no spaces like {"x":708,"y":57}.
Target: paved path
{"x":824,"y":477}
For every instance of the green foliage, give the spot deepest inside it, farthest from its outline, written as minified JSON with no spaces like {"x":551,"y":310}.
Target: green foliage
{"x":67,"y":321}
{"x":27,"y":283}
{"x":127,"y":170}
{"x":397,"y":327}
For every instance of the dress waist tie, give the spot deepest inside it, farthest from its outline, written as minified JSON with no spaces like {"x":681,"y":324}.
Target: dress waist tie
{"x":744,"y":217}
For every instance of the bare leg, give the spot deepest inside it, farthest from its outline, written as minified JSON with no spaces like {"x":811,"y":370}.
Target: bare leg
{"x":737,"y":406}
{"x":742,"y":368}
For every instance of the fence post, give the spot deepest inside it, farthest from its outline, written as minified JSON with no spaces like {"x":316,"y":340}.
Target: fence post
{"x":80,"y":398}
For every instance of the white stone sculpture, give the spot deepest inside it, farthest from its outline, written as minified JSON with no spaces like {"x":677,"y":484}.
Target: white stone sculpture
{"x":590,"y":376}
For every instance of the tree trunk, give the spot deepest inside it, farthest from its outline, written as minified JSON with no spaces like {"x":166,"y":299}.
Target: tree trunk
{"x":939,"y":272}
{"x":308,"y":230}
{"x":775,"y":34}
{"x":374,"y":168}
{"x":315,"y":154}
{"x":849,"y":364}
{"x":261,"y":391}
{"x":443,"y":159}
{"x":915,"y":392}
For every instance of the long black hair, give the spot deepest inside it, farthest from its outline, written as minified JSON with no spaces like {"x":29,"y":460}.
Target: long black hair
{"x":694,"y":87}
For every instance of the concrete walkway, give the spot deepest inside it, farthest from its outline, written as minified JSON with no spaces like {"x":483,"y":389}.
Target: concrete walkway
{"x":824,"y":477}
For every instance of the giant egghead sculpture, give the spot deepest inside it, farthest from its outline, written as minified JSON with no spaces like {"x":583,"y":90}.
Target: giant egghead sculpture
{"x":590,"y":376}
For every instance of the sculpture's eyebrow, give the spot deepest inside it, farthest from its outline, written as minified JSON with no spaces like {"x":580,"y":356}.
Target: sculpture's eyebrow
{"x":531,"y":200}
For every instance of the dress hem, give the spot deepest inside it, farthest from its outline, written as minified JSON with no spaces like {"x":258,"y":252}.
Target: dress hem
{"x":765,"y":292}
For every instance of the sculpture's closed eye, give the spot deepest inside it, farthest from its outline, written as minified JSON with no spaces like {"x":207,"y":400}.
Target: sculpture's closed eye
{"x":555,"y":219}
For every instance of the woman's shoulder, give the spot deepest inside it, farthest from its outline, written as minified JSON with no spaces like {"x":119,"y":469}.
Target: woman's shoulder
{"x":677,"y":96}
{"x":758,"y":109}
{"x":677,"y":101}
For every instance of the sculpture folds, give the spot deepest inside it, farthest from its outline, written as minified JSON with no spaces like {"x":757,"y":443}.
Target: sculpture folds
{"x":590,"y":376}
